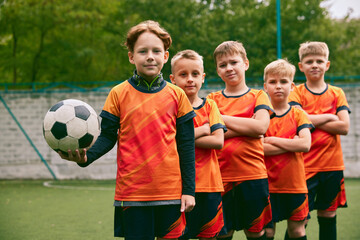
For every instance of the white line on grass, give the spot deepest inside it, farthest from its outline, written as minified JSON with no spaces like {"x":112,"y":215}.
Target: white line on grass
{"x":49,"y":184}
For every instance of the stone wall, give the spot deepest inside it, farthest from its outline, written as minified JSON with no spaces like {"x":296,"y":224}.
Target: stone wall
{"x":18,"y":159}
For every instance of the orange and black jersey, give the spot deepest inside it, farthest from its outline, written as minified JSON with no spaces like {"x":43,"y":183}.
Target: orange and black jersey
{"x":242,"y":157}
{"x":325,"y":153}
{"x":155,"y":137}
{"x":208,"y":176}
{"x":286,"y":172}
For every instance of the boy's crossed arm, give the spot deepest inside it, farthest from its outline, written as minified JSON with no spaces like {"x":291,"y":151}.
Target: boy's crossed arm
{"x":251,"y":127}
{"x":277,"y":145}
{"x":204,"y":138}
{"x":334,"y":124}
{"x":338,"y":125}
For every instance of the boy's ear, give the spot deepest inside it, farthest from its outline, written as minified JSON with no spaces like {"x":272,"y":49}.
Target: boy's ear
{"x":172,"y":79}
{"x":166,"y":56}
{"x":327,"y":65}
{"x":203,"y":77}
{"x":300,"y":66}
{"x":292,"y":86}
{"x":131,"y":57}
{"x":265,"y":87}
{"x":247,"y":64}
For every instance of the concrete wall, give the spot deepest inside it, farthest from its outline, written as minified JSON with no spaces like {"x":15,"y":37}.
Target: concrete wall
{"x":18,"y":159}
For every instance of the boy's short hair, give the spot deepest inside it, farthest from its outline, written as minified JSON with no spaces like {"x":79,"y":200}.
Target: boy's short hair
{"x":230,"y":47}
{"x":313,"y":48}
{"x":186,"y":54}
{"x":147,"y":26}
{"x":280,"y":67}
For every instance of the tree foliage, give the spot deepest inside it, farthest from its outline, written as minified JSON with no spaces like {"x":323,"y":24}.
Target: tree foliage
{"x":82,"y":41}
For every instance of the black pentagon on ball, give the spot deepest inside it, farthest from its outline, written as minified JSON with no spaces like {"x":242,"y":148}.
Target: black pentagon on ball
{"x":86,"y":140}
{"x":82,"y":112}
{"x":59,"y":130}
{"x":56,"y":106}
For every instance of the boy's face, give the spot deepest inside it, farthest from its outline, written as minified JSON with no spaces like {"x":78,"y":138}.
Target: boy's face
{"x":278,"y":87}
{"x":189,"y":75}
{"x":149,"y":56}
{"x":231,"y":68}
{"x":314,"y":67}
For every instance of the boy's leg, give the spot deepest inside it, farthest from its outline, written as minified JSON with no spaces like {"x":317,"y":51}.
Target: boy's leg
{"x":331,"y":195}
{"x":228,"y":203}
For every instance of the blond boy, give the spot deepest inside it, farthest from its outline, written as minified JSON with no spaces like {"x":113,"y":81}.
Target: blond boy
{"x":328,"y":110}
{"x":206,"y":219}
{"x":288,"y":135}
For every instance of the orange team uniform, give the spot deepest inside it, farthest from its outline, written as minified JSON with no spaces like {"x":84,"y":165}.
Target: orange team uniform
{"x":325,"y":153}
{"x":242,"y":157}
{"x":208,"y":176}
{"x":148,"y":162}
{"x":286,"y":171}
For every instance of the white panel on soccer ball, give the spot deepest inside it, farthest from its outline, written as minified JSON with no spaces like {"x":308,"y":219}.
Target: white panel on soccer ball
{"x":93,"y":125}
{"x":68,"y":143}
{"x":76,"y":127}
{"x":65,"y":113}
{"x":49,"y":120}
{"x":73,"y":102}
{"x":51,"y":140}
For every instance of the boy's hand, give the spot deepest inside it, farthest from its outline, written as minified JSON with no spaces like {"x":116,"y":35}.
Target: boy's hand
{"x":187,"y":203}
{"x":75,"y":157}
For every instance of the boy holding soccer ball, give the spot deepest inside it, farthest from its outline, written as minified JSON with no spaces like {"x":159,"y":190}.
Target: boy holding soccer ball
{"x":152,"y":120}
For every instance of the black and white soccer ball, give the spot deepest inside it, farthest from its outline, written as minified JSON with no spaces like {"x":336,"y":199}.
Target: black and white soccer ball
{"x":71,"y":124}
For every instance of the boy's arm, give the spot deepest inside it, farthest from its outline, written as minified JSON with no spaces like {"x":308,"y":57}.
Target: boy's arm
{"x":301,"y":143}
{"x":201,"y":131}
{"x":215,"y":140}
{"x":185,"y":140}
{"x":252,"y":127}
{"x":270,"y":150}
{"x":321,"y":119}
{"x":337,"y":127}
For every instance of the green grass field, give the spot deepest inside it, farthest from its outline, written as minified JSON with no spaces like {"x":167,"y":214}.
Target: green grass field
{"x":82,"y":209}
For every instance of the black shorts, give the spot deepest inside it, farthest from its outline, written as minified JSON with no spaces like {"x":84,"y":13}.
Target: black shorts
{"x":327,"y":191}
{"x":246,"y":205}
{"x":134,"y":223}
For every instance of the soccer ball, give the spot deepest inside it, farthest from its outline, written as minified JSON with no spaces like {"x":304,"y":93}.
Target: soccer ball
{"x":71,"y":124}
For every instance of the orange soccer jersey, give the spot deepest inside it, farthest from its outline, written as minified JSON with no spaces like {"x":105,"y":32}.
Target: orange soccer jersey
{"x":325,"y":153}
{"x":208,"y":176}
{"x":242,"y":158}
{"x":148,"y":162}
{"x":286,"y":171}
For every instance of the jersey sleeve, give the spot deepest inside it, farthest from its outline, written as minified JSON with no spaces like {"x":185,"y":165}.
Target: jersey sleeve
{"x":303,"y":121}
{"x":185,"y":110}
{"x":215,"y":119}
{"x":294,"y":97}
{"x":263,"y":102}
{"x":342,"y":103}
{"x":112,"y":105}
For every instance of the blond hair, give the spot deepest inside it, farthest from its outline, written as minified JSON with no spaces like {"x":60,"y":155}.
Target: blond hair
{"x":186,"y":54}
{"x":313,"y":48}
{"x":147,"y":26}
{"x":231,"y":48}
{"x":280,"y":67}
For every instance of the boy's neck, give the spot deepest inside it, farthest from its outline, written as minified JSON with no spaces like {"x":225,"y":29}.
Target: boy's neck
{"x":195,"y":100}
{"x":280,"y":107}
{"x":235,"y":90}
{"x":316,"y":86}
